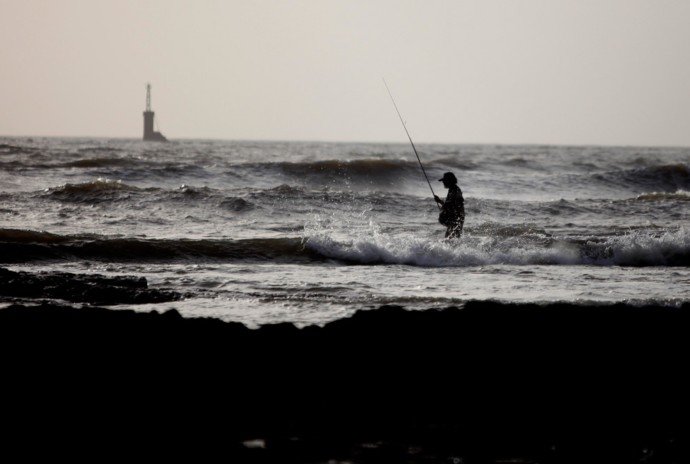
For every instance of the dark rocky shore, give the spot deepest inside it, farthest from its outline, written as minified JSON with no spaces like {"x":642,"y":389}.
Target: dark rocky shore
{"x":486,"y":383}
{"x":81,"y":288}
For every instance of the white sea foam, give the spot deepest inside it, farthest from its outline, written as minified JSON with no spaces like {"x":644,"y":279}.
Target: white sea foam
{"x":374,"y":247}
{"x":642,"y":249}
{"x":679,"y":194}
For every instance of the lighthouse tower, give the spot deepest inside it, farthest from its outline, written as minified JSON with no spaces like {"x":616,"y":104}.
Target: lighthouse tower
{"x":149,"y":133}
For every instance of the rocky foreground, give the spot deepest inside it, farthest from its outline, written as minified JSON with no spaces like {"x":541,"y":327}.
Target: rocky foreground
{"x":487,"y":383}
{"x":81,"y":288}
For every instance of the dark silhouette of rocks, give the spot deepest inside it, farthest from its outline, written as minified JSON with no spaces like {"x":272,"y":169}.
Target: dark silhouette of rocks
{"x":487,"y":383}
{"x":81,"y":288}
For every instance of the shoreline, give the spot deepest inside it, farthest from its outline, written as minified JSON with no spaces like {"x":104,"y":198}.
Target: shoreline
{"x":487,"y":383}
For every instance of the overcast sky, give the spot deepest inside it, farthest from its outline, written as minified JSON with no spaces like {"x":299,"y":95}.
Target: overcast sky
{"x":484,"y":71}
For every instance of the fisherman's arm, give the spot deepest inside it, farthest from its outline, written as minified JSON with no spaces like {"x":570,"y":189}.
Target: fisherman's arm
{"x":438,"y":200}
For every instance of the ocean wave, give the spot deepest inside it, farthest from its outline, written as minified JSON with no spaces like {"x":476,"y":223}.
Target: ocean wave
{"x":493,"y":229}
{"x":8,"y":149}
{"x":29,"y":236}
{"x":99,"y":149}
{"x":369,"y":170}
{"x":395,"y":172}
{"x":238,"y":205}
{"x":17,"y":246}
{"x":295,"y":199}
{"x":328,"y":196}
{"x":457,"y":163}
{"x":91,"y":192}
{"x":193,"y":192}
{"x":664,"y":177}
{"x":99,"y":163}
{"x":524,"y":247}
{"x":635,"y":249}
{"x":362,"y":167}
{"x":679,"y":195}
{"x":131,"y":168}
{"x":102,"y":190}
{"x":106,"y":190}
{"x":640,"y":249}
{"x":197,"y":195}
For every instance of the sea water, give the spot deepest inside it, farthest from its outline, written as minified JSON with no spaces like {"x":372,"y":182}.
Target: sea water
{"x":261,"y":232}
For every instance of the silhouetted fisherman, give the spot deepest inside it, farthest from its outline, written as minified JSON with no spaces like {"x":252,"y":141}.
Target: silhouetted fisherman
{"x":453,"y":209}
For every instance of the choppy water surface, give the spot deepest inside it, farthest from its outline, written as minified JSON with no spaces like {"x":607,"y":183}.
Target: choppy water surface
{"x":310,"y":232}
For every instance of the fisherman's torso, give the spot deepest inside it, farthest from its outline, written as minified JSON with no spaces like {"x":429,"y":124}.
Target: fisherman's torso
{"x":454,"y":205}
{"x":453,"y":211}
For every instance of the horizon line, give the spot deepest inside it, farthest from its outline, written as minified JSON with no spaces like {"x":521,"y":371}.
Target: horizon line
{"x":370,"y":142}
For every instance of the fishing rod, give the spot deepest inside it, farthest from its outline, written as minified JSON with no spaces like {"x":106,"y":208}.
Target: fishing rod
{"x":411,"y":142}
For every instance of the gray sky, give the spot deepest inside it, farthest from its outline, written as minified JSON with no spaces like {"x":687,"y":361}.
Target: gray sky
{"x":487,"y":71}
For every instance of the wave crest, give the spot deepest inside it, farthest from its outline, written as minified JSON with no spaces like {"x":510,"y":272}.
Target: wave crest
{"x":361,"y":171}
{"x":29,"y":236}
{"x":98,"y":163}
{"x":95,"y":191}
{"x":635,"y":249}
{"x":665,"y":177}
{"x":679,"y":195}
{"x":17,"y":246}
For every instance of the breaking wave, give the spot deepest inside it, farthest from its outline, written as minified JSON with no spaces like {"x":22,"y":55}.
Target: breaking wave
{"x":528,"y":248}
{"x":635,"y":249}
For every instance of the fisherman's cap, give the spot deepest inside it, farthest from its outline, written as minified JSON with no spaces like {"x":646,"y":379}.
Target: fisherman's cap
{"x":449,"y":176}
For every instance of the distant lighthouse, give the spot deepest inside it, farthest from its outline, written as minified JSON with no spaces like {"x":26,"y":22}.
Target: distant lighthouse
{"x":149,"y":133}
